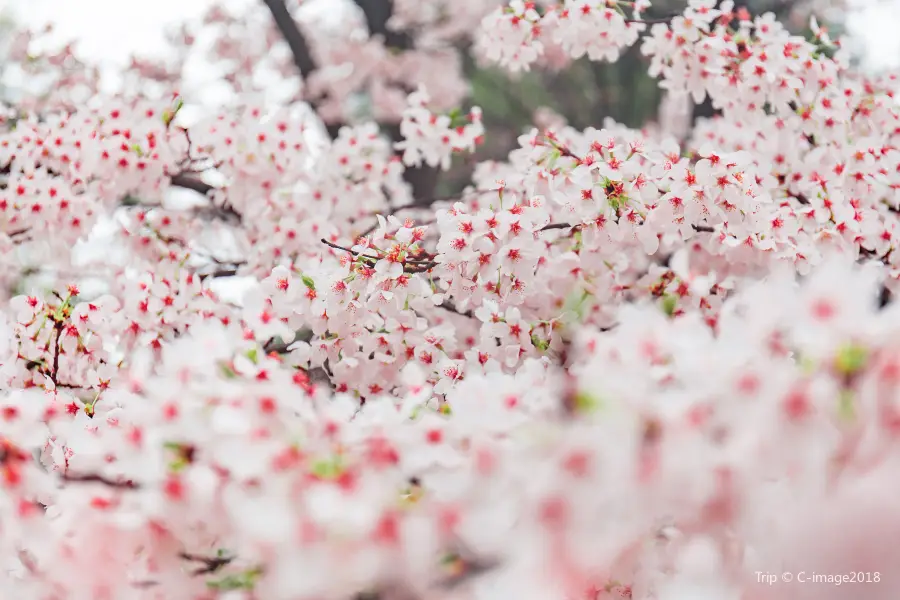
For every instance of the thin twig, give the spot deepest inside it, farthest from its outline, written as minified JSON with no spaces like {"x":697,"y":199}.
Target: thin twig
{"x":555,"y":226}
{"x":95,"y":478}
{"x":342,"y":248}
{"x":653,"y":21}
{"x":220,"y":273}
{"x":211,"y":564}
{"x":54,"y":374}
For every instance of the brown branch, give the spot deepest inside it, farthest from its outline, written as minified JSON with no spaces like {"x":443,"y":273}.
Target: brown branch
{"x":54,"y":374}
{"x":697,"y":228}
{"x":95,"y":478}
{"x":211,"y":564}
{"x":220,"y":273}
{"x":300,"y":51}
{"x":555,"y":226}
{"x":220,"y":213}
{"x":377,"y":14}
{"x":409,"y":265}
{"x":344,"y":249}
{"x":183,"y":180}
{"x":653,"y":21}
{"x":448,"y":306}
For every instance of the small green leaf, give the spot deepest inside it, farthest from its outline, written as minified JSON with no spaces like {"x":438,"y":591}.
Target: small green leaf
{"x":457,"y":118}
{"x":540,"y":344}
{"x":169,"y":114}
{"x":308,"y":282}
{"x":238,"y":581}
{"x":328,"y":468}
{"x":252,"y":354}
{"x":669,"y":304}
{"x":554,"y":156}
{"x":586,"y":403}
{"x":578,"y":240}
{"x":851,"y":359}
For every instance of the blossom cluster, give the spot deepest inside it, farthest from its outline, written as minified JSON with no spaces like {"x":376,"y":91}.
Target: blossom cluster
{"x":521,"y":31}
{"x":616,"y":365}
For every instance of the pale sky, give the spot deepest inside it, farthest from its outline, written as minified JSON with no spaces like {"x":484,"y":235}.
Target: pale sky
{"x":108,"y":29}
{"x":111,"y":29}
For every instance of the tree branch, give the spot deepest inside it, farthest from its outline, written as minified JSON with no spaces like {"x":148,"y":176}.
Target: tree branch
{"x":54,"y":374}
{"x":95,"y":478}
{"x":555,"y":226}
{"x":220,"y":273}
{"x":423,"y":180}
{"x":291,"y":33}
{"x":378,"y":13}
{"x":450,"y":307}
{"x":410,"y":265}
{"x":187,"y":182}
{"x":211,"y":564}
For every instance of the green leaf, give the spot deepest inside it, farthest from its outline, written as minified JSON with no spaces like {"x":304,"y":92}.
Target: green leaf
{"x":252,"y":354}
{"x":669,"y":304}
{"x":540,"y":344}
{"x":586,"y":403}
{"x":851,"y":359}
{"x":180,"y":461}
{"x":328,"y":468}
{"x":554,"y":156}
{"x":169,"y":114}
{"x":308,"y":282}
{"x":237,"y":581}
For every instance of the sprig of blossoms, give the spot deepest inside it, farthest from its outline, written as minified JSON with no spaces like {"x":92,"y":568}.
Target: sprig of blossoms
{"x":433,"y":139}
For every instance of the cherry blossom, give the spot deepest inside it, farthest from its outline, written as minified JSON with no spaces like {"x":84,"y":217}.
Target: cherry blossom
{"x":617,"y":365}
